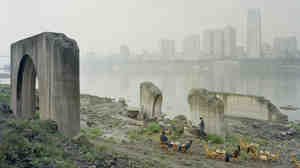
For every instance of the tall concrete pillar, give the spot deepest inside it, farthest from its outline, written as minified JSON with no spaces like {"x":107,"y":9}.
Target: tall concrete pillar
{"x":53,"y":59}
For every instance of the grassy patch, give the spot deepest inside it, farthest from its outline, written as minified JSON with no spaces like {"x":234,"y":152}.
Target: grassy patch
{"x":244,"y":156}
{"x":92,"y":133}
{"x":232,"y":140}
{"x":134,"y":135}
{"x":153,"y":128}
{"x":110,"y":140}
{"x":32,"y":144}
{"x":296,"y":126}
{"x":262,"y":142}
{"x":5,"y":93}
{"x":216,"y":139}
{"x":37,"y":115}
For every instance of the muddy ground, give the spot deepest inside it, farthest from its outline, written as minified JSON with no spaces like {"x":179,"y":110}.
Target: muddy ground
{"x":128,"y":136}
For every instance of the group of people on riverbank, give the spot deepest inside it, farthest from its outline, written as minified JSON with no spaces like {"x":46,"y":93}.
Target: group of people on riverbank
{"x":181,"y":148}
{"x":186,"y":146}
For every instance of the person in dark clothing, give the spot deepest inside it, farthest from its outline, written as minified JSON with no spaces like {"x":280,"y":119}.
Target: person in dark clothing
{"x":186,"y":146}
{"x":237,"y":152}
{"x":227,"y":156}
{"x":164,"y":139}
{"x":202,"y":127}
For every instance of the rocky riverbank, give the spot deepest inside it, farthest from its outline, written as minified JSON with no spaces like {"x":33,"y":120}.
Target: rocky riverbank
{"x":132,"y":136}
{"x":110,"y":138}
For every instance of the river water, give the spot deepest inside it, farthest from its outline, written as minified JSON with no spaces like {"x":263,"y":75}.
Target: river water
{"x":280,"y":85}
{"x":275,"y":81}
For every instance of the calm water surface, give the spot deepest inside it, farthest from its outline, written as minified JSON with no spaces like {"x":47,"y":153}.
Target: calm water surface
{"x":175,"y":80}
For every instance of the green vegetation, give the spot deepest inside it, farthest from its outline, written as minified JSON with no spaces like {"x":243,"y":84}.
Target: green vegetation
{"x":153,"y":128}
{"x":262,"y":142}
{"x":244,"y":156}
{"x":174,"y":135}
{"x":38,"y":144}
{"x":110,"y":140}
{"x":134,"y":135}
{"x":37,"y":115}
{"x":216,"y":139}
{"x":296,"y":126}
{"x":232,"y":140}
{"x":32,"y":144}
{"x":92,"y":133}
{"x":5,"y":94}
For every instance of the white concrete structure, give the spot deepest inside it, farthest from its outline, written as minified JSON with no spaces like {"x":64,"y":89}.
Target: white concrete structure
{"x":229,"y":42}
{"x":248,"y":106}
{"x":150,"y":101}
{"x":52,"y":59}
{"x":210,"y":108}
{"x":254,"y":34}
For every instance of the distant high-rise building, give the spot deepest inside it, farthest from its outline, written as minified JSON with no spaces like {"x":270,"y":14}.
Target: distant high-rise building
{"x":213,"y":43}
{"x":167,"y":48}
{"x":208,"y":42}
{"x":285,"y":46}
{"x":229,"y":42}
{"x":254,"y":34}
{"x":191,"y":46}
{"x":240,"y":52}
{"x":218,"y":44}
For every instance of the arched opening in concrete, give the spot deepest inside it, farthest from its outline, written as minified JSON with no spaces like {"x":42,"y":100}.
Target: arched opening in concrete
{"x":157,"y":106}
{"x":26,"y":88}
{"x":54,"y":59}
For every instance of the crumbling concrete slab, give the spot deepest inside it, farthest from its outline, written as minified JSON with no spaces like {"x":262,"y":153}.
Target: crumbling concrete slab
{"x":150,"y":100}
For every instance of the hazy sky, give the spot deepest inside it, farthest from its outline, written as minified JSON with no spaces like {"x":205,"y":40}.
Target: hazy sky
{"x":103,"y":25}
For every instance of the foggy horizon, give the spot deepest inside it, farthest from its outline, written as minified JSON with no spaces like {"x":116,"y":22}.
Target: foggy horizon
{"x":102,"y":27}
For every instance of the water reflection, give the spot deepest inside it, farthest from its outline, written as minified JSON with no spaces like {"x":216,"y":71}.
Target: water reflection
{"x":175,"y":80}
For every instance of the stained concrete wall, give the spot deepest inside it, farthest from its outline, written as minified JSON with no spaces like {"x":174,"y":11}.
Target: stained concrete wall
{"x":54,"y":59}
{"x":150,"y":100}
{"x":249,"y":106}
{"x":210,"y":108}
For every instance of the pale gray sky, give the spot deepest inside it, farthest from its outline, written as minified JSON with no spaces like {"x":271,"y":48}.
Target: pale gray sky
{"x":103,"y":25}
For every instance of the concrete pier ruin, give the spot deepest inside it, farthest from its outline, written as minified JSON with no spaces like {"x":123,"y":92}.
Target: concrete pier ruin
{"x":250,"y":106}
{"x":150,"y":100}
{"x":210,"y":108}
{"x":51,"y":59}
{"x":231,"y":105}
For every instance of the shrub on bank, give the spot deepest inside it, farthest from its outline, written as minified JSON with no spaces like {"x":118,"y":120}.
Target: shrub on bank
{"x":92,"y":133}
{"x":38,"y":144}
{"x":215,"y":139}
{"x":153,"y":128}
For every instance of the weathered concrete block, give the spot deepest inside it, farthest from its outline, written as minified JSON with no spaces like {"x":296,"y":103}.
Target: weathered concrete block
{"x":249,"y":106}
{"x":210,"y":108}
{"x":150,"y":100}
{"x":53,"y":59}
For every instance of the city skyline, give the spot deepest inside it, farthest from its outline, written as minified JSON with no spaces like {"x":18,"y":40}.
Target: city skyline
{"x":139,"y":24}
